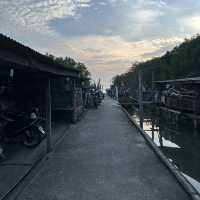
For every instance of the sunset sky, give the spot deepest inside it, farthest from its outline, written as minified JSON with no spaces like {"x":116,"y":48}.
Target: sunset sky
{"x":106,"y":35}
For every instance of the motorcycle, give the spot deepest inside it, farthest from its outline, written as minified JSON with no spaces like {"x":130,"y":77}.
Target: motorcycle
{"x":22,"y":128}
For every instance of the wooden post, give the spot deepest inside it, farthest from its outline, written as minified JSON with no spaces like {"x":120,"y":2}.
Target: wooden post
{"x":74,"y":106}
{"x":160,"y":138}
{"x":153,"y":125}
{"x":140,"y":92}
{"x":195,"y":113}
{"x":48,"y":115}
{"x":116,"y":93}
{"x":152,"y":86}
{"x":152,"y":80}
{"x":74,"y":84}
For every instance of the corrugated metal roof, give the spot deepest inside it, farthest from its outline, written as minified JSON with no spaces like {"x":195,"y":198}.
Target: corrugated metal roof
{"x":19,"y":49}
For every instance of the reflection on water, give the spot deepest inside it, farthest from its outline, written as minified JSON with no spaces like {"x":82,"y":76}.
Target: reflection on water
{"x":178,"y":140}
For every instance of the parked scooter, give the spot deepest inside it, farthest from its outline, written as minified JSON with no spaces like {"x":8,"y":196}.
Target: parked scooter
{"x":22,"y":128}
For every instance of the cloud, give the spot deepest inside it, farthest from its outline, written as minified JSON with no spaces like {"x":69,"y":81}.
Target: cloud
{"x":34,"y":15}
{"x":111,"y":55}
{"x":190,"y":23}
{"x":131,"y":19}
{"x":107,"y":35}
{"x":144,"y":16}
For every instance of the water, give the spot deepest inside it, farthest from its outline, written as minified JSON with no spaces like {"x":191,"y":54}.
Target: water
{"x":178,"y":140}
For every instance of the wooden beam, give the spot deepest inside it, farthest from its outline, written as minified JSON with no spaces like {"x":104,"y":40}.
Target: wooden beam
{"x":8,"y":56}
{"x":48,"y":115}
{"x":32,"y":64}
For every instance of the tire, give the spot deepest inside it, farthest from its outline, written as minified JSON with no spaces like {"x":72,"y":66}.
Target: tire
{"x":32,"y":138}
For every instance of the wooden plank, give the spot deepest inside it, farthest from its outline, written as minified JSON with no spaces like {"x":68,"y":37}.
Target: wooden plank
{"x":63,"y":108}
{"x":193,"y":116}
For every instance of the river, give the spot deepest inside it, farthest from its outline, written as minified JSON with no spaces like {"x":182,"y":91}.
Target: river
{"x":178,"y":140}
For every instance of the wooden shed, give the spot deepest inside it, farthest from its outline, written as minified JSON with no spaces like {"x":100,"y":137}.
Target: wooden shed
{"x":180,"y":94}
{"x":26,"y":78}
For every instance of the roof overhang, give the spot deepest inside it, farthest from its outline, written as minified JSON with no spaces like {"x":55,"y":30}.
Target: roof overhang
{"x":22,"y":57}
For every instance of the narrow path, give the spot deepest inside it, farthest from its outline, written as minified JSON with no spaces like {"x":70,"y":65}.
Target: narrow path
{"x":103,"y":157}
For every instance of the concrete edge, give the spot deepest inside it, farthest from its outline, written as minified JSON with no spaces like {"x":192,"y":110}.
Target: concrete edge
{"x":193,"y":193}
{"x":24,"y":176}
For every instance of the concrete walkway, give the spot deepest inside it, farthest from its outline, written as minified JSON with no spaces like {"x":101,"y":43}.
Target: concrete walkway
{"x":103,"y":157}
{"x":20,"y":160}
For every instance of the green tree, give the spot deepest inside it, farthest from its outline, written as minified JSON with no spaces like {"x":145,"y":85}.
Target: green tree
{"x":182,"y":62}
{"x":71,"y":63}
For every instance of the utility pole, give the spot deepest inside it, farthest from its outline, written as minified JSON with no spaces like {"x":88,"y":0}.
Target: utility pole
{"x":140,"y":92}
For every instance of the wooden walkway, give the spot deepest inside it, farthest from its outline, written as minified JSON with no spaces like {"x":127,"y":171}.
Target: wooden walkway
{"x":103,"y":157}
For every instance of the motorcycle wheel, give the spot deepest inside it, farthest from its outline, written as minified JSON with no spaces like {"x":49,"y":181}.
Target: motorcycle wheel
{"x":32,"y":138}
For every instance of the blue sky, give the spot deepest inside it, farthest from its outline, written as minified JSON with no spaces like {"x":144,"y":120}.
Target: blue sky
{"x":107,"y":35}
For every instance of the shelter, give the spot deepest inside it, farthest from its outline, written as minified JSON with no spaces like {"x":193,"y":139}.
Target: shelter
{"x":25,"y":79}
{"x":180,"y":94}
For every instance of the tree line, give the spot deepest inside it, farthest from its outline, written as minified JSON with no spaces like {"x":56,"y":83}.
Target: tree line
{"x":181,"y":62}
{"x":71,"y":63}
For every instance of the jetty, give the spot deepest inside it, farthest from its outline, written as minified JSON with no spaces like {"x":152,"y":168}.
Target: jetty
{"x":104,"y":156}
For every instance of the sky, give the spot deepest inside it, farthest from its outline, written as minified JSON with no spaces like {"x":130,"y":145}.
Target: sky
{"x":107,"y":35}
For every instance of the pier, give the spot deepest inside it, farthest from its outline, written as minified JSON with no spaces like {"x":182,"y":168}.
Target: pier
{"x":103,"y":157}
